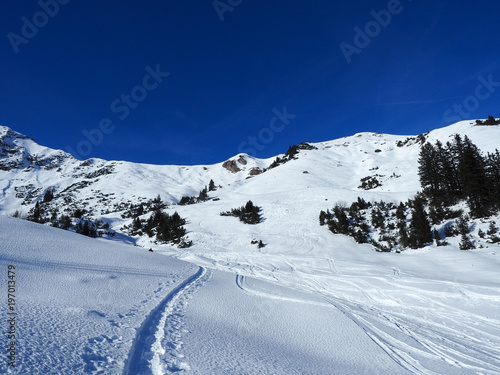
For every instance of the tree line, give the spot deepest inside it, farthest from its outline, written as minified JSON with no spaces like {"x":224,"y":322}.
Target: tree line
{"x":459,"y":171}
{"x":449,"y":174}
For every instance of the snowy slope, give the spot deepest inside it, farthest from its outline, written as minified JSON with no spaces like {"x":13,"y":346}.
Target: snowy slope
{"x":27,"y":170}
{"x":95,"y":307}
{"x":79,"y":300}
{"x":430,"y":311}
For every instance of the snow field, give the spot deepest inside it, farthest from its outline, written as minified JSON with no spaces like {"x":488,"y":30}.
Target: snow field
{"x":308,"y":302}
{"x":80,"y":300}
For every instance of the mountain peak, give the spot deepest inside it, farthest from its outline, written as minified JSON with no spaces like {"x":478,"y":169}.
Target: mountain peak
{"x":18,"y":151}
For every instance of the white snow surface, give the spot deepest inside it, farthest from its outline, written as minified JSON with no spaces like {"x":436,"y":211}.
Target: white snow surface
{"x":309,"y":302}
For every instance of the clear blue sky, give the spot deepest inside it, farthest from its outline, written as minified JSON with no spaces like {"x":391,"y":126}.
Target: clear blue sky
{"x":426,"y":65}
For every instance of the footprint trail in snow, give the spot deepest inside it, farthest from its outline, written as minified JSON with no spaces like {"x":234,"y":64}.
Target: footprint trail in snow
{"x":157,"y":348}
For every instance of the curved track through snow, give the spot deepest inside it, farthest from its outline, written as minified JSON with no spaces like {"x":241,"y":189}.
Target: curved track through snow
{"x":415,"y":345}
{"x":241,"y":282}
{"x":148,"y":348}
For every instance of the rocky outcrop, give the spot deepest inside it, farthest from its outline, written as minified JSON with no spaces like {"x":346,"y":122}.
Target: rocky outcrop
{"x":255,"y":171}
{"x":231,"y":166}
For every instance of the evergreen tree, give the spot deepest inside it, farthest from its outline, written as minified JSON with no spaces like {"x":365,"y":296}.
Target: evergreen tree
{"x":203,"y":196}
{"x":211,"y":185}
{"x":169,"y":228}
{"x":78,"y":213}
{"x":54,"y":220}
{"x":466,"y":243}
{"x":36,"y":214}
{"x":249,"y":214}
{"x":332,"y":226}
{"x":362,"y":204}
{"x":322,"y":217}
{"x":428,"y":172}
{"x":292,"y":151}
{"x":472,"y":175}
{"x":492,"y":229}
{"x":342,"y":222}
{"x":49,"y":195}
{"x":491,"y":120}
{"x":86,"y":228}
{"x":420,"y":228}
{"x":360,"y":236}
{"x":158,"y":204}
{"x":492,"y":167}
{"x":378,"y":218}
{"x":65,"y":222}
{"x":404,"y":239}
{"x":400,"y":212}
{"x":463,"y":226}
{"x":448,"y":174}
{"x":436,"y":214}
{"x":136,"y":224}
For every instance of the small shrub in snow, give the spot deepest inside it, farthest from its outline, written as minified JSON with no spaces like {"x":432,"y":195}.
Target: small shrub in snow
{"x":248,"y":214}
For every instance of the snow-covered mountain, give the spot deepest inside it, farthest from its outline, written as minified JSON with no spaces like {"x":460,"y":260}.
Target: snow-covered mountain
{"x":316,"y":178}
{"x":333,"y":169}
{"x":432,"y":310}
{"x":29,"y":169}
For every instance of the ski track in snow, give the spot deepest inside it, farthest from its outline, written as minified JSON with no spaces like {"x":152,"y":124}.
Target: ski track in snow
{"x":157,"y":345}
{"x":412,"y":342}
{"x":242,"y":284}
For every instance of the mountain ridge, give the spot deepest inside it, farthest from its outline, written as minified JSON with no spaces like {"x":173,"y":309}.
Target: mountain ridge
{"x":373,"y":166}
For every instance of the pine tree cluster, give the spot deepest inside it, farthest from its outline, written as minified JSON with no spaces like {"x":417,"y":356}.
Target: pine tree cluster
{"x":43,"y":213}
{"x":202,"y":196}
{"x":491,"y":234}
{"x":167,"y":228}
{"x":385,"y":226}
{"x":249,"y":213}
{"x":290,"y":154}
{"x":139,"y":209}
{"x":91,"y":228}
{"x":419,"y":139}
{"x":491,"y":120}
{"x":370,"y":182}
{"x":459,"y":171}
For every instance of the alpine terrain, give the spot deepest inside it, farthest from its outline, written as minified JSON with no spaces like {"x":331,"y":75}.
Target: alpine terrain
{"x":370,"y":254}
